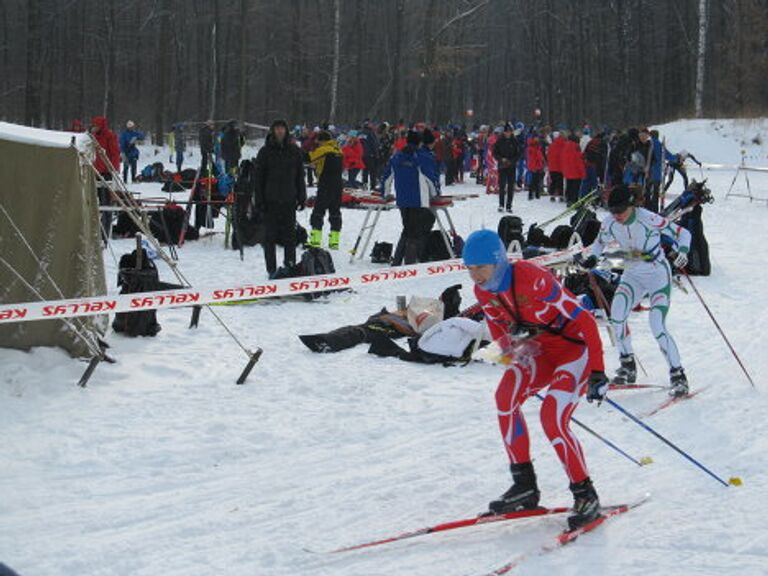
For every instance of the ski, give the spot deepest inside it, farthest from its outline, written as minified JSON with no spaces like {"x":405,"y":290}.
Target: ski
{"x":615,"y":387}
{"x":568,"y":536}
{"x":674,"y":400}
{"x":456,"y":524}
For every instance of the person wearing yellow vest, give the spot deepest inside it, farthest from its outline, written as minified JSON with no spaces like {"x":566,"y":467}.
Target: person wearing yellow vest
{"x":327,"y":160}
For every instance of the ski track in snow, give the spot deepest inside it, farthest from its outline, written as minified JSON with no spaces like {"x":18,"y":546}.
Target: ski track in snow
{"x":164,"y":466}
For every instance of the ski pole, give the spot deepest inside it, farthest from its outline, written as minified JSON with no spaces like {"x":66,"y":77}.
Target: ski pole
{"x":642,"y":462}
{"x":719,"y":329}
{"x":735,"y":481}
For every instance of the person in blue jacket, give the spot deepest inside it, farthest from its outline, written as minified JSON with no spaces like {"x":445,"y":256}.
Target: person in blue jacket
{"x":413,"y":171}
{"x":128,"y":149}
{"x":660,"y":155}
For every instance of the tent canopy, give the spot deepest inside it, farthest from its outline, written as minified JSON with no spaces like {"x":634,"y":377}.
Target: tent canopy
{"x":50,"y":196}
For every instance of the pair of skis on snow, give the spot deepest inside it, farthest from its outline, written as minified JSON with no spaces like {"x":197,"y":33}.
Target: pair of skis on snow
{"x":558,"y":541}
{"x":668,"y":402}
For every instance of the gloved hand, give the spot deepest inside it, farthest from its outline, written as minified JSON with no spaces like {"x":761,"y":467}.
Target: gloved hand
{"x":680,"y":261}
{"x":598,"y":387}
{"x":586,"y":263}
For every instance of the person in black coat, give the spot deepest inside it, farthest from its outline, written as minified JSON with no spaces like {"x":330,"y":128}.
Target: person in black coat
{"x":506,"y":152}
{"x":206,"y":145}
{"x":280,"y":190}
{"x":232,"y":141}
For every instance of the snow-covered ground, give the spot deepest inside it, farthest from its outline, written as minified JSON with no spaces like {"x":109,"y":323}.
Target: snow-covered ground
{"x":164,"y":466}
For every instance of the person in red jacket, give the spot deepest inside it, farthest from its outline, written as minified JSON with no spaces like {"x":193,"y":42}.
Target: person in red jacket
{"x":108,"y":141}
{"x":555,"y":163}
{"x":574,"y":169}
{"x":534,"y":158}
{"x":549,"y":344}
{"x":353,"y":158}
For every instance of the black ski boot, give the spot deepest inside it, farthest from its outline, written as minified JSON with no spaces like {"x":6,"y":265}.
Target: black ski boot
{"x":586,"y":505}
{"x":522,"y":495}
{"x":627,"y":372}
{"x":678,"y":383}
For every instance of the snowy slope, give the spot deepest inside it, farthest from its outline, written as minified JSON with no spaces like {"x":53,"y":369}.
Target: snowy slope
{"x":165,"y":466}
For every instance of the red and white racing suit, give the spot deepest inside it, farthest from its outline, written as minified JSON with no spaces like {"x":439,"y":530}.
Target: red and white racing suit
{"x":566,"y":348}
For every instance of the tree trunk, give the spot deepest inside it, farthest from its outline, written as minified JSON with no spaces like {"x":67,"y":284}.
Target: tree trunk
{"x":336,"y":57}
{"x":701,"y":58}
{"x":32,"y":102}
{"x":396,"y":110}
{"x":163,"y":33}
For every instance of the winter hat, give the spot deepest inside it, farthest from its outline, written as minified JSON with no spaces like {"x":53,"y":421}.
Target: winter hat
{"x":498,"y":130}
{"x":275,"y":124}
{"x":352,"y":133}
{"x":620,"y":199}
{"x":413,"y":138}
{"x":508,"y":127}
{"x":323,"y":136}
{"x":428,"y":137}
{"x":129,"y":124}
{"x":485,"y":247}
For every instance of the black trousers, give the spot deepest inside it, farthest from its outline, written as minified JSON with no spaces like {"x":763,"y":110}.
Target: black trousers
{"x":556,"y":187}
{"x":506,"y":186}
{"x":417,"y":224}
{"x":572,"y":190}
{"x":371,"y":172}
{"x":671,"y":177}
{"x":279,"y":228}
{"x":535,"y":185}
{"x":327,"y":200}
{"x":130,"y":164}
{"x":652,"y":196}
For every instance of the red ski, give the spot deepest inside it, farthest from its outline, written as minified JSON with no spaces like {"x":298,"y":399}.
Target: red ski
{"x":455,"y":524}
{"x":569,"y":536}
{"x":674,"y":400}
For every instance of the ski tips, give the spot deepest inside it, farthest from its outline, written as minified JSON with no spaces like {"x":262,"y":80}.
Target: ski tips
{"x":645,"y":460}
{"x":734,"y":481}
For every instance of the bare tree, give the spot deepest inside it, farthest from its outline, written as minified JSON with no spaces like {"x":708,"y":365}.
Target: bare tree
{"x":701,"y":57}
{"x":336,"y":59}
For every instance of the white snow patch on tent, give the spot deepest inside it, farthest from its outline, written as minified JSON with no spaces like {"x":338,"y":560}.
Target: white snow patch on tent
{"x":40,"y":137}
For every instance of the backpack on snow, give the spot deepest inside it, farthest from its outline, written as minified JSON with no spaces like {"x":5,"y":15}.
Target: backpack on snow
{"x":511,"y":228}
{"x":132,"y":280}
{"x":381,"y":253}
{"x":316,"y":262}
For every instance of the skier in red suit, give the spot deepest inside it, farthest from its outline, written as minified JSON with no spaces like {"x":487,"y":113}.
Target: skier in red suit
{"x":554,"y":347}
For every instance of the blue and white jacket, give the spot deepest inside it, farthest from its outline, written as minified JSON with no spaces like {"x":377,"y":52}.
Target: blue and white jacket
{"x":414,"y":173}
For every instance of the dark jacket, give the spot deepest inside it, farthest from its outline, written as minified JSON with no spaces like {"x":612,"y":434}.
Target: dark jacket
{"x":370,"y":143}
{"x":206,"y":139}
{"x":279,"y":175}
{"x":231,"y":144}
{"x":506,"y":152}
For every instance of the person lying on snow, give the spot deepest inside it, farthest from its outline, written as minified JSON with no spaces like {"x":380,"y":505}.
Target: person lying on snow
{"x":437,"y":331}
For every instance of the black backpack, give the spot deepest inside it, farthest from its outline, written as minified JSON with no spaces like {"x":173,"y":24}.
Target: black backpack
{"x":511,"y":228}
{"x":436,"y":248}
{"x":381,"y":253}
{"x":537,"y":237}
{"x":130,"y":280}
{"x":316,"y":262}
{"x":561,"y":236}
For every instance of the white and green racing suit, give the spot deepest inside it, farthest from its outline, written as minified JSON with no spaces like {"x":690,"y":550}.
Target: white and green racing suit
{"x":646,"y":272}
